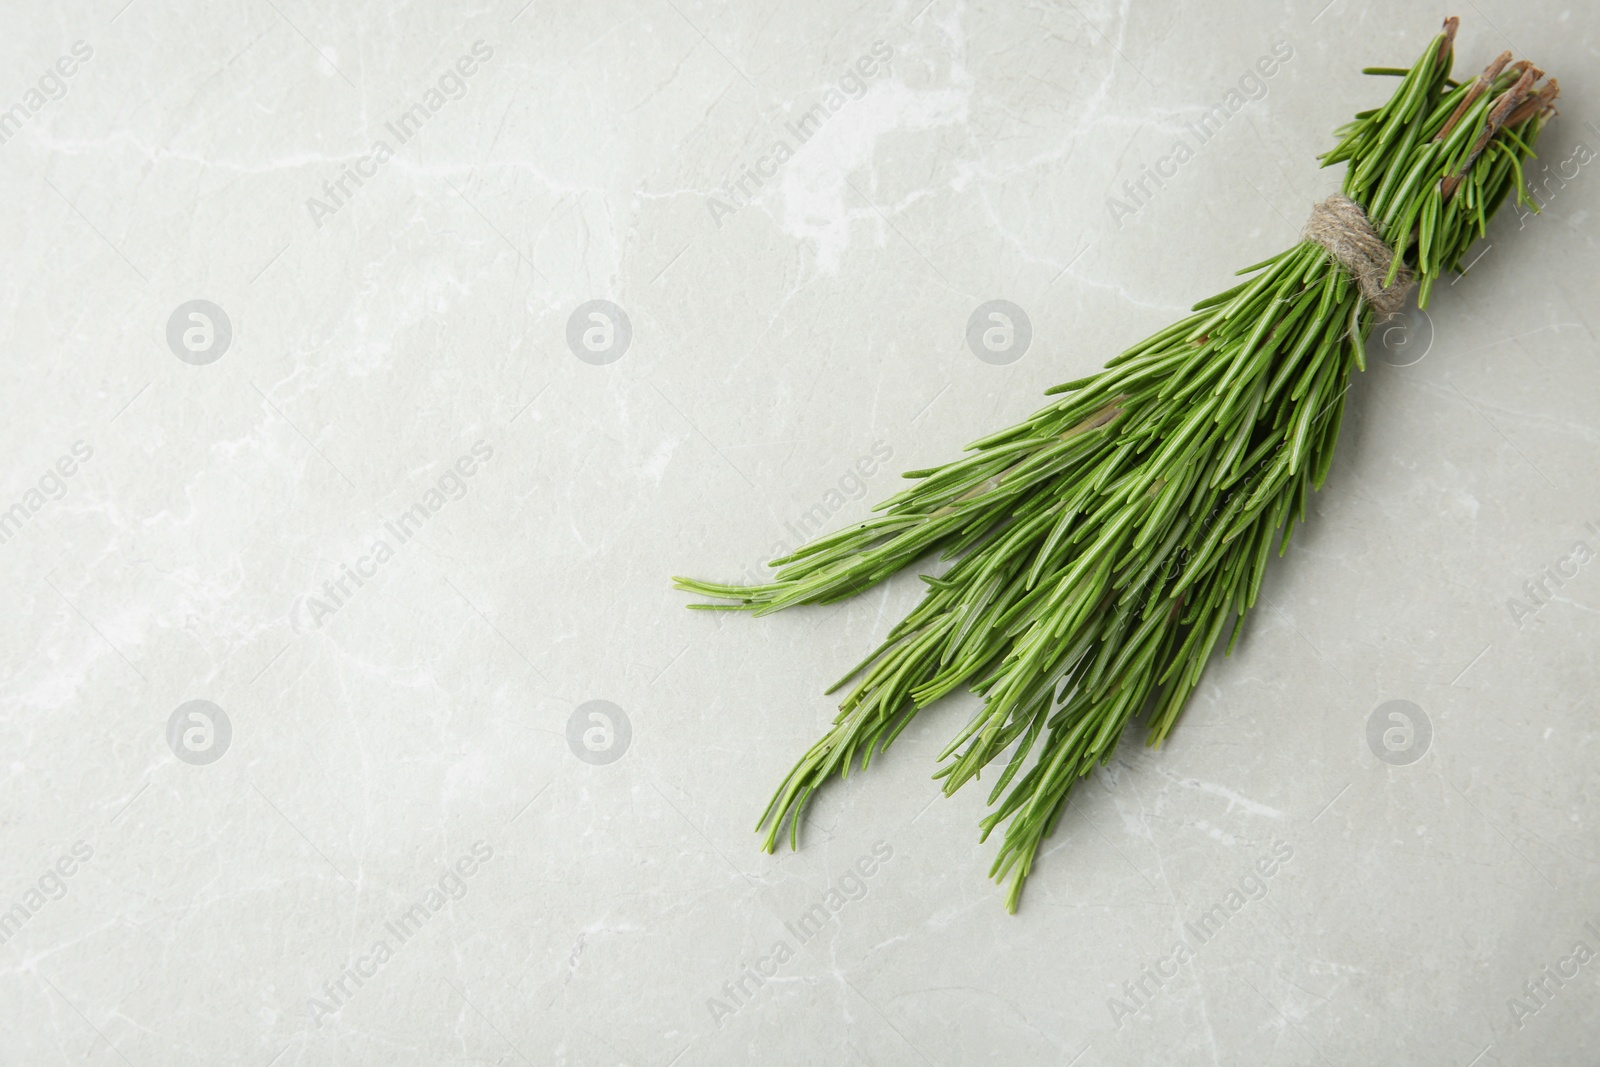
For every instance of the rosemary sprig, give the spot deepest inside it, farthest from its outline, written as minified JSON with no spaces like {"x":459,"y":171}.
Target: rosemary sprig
{"x":1104,"y":545}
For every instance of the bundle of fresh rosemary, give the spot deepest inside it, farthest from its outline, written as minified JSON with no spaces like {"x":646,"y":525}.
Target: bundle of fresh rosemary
{"x":1104,"y":544}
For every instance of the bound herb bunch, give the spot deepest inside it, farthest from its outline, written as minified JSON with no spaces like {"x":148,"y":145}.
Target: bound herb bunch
{"x":1103,"y":546}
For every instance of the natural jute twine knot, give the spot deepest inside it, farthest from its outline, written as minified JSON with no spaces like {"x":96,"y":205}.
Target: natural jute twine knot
{"x":1339,"y":225}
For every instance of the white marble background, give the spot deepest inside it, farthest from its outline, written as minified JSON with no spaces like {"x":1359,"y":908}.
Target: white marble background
{"x":204,"y":909}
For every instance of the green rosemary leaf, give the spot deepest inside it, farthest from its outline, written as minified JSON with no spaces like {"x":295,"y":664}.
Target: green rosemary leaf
{"x":1100,"y":547}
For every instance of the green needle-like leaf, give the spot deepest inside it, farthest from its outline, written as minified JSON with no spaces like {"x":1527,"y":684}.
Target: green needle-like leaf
{"x":1103,"y":545}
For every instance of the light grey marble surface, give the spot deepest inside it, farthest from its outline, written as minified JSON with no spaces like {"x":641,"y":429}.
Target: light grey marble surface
{"x":395,"y":760}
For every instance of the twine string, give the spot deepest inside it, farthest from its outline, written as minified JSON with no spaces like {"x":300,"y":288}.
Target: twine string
{"x":1339,"y":225}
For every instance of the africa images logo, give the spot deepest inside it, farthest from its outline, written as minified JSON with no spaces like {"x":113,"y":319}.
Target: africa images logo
{"x":311,"y":610}
{"x":452,"y":885}
{"x":851,"y":886}
{"x":1141,"y":992}
{"x":52,"y":87}
{"x":451,"y":85}
{"x":1251,"y":87}
{"x":740,"y":191}
{"x":52,"y":486}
